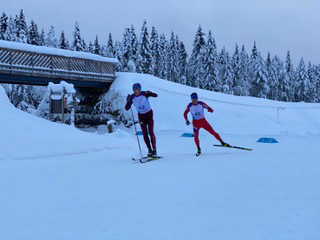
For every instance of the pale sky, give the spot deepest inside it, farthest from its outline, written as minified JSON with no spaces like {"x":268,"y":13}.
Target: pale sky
{"x":276,"y":25}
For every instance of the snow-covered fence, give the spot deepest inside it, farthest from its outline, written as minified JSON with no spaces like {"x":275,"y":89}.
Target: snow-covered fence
{"x":26,"y":60}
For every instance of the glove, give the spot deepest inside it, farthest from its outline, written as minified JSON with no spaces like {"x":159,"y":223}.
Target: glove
{"x":210,"y":110}
{"x":188,"y":123}
{"x":129,"y":98}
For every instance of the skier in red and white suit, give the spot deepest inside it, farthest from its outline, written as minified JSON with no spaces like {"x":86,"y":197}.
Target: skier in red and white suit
{"x":196,"y":108}
{"x":140,"y":100}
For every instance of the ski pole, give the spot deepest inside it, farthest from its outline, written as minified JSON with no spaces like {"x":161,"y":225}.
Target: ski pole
{"x":135,"y":128}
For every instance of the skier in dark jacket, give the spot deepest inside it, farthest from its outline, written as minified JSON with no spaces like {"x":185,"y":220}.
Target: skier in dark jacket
{"x":196,"y":108}
{"x":140,"y":100}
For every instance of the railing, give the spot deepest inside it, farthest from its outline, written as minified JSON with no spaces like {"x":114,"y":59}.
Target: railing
{"x":17,"y":62}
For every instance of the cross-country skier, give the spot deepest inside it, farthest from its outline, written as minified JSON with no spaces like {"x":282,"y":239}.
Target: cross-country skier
{"x":196,"y":108}
{"x":140,"y":101}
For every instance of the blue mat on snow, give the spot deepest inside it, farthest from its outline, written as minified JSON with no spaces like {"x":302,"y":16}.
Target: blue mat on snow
{"x":267,"y":140}
{"x":189,"y":135}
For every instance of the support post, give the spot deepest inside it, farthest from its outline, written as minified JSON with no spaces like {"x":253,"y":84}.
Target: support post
{"x":50,"y":106}
{"x":62,"y":106}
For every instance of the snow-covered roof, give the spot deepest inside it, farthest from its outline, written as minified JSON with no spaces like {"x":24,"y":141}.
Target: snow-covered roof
{"x":54,"y":51}
{"x":60,"y":86}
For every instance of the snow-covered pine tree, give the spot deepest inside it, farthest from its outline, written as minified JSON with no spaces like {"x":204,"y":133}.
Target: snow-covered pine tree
{"x":277,"y":80}
{"x":22,"y":28}
{"x":210,"y":66}
{"x":311,"y":80}
{"x":97,"y":47}
{"x":3,"y":26}
{"x":42,"y":38}
{"x":155,"y":54}
{"x":118,"y":55}
{"x":23,"y":96}
{"x":194,"y":75}
{"x":289,"y":79}
{"x":282,"y":76}
{"x":90,"y":47}
{"x":126,"y":50}
{"x":51,"y":40}
{"x":268,"y":64}
{"x":226,"y":70}
{"x":221,"y":63}
{"x":259,"y":86}
{"x":236,"y":69}
{"x":255,"y":52}
{"x":84,"y":45}
{"x":253,"y":58}
{"x":258,"y":74}
{"x":16,"y":24}
{"x":110,"y":48}
{"x":15,"y":95}
{"x":104,"y":51}
{"x":33,"y":34}
{"x":244,"y":68}
{"x":144,"y":52}
{"x":10,"y":34}
{"x":183,"y":56}
{"x":63,"y":42}
{"x":173,"y":67}
{"x":134,"y":44}
{"x":163,"y":71}
{"x":302,"y":86}
{"x":317,"y":82}
{"x":77,"y":40}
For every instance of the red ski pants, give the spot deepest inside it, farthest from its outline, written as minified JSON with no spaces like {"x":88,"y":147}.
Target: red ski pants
{"x":202,"y":123}
{"x":147,"y":127}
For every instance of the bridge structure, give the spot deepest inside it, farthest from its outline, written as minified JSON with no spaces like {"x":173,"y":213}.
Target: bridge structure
{"x":90,"y":74}
{"x":35,"y":65}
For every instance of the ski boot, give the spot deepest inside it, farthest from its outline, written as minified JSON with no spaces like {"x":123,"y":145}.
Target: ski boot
{"x":225,"y":144}
{"x":154,"y":154}
{"x":149,"y":153}
{"x":198,"y":152}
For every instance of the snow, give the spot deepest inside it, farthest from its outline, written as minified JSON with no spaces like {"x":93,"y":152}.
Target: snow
{"x":232,"y":114}
{"x":25,"y":136}
{"x":58,"y":88}
{"x":54,"y":51}
{"x":56,"y":96}
{"x":57,"y":182}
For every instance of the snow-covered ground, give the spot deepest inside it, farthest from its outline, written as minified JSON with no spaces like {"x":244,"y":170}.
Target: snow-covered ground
{"x":57,"y":182}
{"x":234,"y":115}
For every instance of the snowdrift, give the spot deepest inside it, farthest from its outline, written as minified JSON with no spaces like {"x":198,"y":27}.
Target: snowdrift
{"x":25,"y":136}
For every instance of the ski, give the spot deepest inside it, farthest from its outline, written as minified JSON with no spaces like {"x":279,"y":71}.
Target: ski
{"x":236,"y":147}
{"x":145,"y":160}
{"x":138,"y":159}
